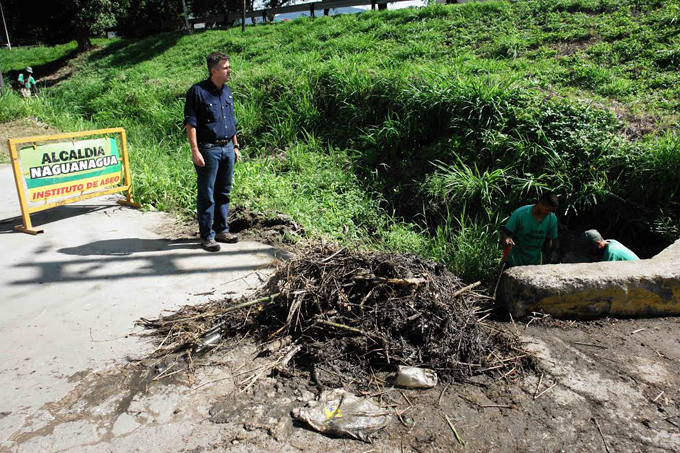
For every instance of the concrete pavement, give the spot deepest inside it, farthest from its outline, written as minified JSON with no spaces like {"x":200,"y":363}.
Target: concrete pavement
{"x":69,"y":297}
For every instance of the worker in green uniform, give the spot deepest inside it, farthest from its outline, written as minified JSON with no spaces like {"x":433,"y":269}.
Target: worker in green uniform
{"x":610,"y":249}
{"x":27,"y":82}
{"x":531,"y":231}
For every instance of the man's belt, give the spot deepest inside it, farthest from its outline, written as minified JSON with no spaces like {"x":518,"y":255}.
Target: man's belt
{"x":217,"y":143}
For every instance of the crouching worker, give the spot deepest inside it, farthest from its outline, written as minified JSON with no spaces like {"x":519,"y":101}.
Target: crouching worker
{"x":531,"y":231}
{"x":607,"y":250}
{"x":26,"y":83}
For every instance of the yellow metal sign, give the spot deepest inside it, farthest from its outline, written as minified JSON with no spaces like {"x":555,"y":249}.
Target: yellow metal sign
{"x":54,"y":170}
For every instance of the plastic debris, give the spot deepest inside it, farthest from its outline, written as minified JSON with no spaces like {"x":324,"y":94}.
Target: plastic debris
{"x":209,"y":341}
{"x":339,"y":413}
{"x":414,"y":377}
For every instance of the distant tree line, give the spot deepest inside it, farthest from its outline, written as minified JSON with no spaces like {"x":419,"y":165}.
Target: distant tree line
{"x":81,"y":20}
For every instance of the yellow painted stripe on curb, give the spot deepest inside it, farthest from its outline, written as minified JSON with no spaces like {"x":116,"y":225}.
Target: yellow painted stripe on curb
{"x":630,"y":300}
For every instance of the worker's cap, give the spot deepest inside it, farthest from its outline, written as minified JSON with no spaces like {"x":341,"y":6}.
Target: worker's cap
{"x":29,"y":69}
{"x":591,"y":237}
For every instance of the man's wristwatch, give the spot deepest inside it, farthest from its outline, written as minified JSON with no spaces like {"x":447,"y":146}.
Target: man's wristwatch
{"x":236,"y":146}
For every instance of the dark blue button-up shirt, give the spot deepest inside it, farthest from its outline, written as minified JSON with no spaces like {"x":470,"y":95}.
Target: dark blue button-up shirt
{"x":210,"y":111}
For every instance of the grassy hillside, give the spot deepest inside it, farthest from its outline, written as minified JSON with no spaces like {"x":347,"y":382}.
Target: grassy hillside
{"x":417,"y":129}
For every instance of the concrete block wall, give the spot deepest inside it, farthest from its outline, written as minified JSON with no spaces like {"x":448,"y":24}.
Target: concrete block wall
{"x":644,"y":288}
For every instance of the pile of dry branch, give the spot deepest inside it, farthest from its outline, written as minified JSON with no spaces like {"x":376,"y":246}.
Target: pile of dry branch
{"x":348,"y":313}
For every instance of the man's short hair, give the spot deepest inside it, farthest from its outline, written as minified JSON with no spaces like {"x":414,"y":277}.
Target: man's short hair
{"x":214,"y":59}
{"x":550,"y":199}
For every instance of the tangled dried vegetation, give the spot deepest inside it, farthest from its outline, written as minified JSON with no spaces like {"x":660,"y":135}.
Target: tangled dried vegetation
{"x":345,"y":314}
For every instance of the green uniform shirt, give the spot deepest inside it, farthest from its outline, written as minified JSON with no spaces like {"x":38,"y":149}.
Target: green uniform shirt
{"x":616,"y":251}
{"x":31,"y":81}
{"x":529,"y":236}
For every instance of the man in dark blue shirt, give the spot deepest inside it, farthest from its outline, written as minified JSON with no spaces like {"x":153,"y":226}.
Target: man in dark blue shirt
{"x":211,"y":129}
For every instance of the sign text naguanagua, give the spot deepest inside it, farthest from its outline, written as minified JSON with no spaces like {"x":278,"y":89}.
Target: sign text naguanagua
{"x":65,"y":169}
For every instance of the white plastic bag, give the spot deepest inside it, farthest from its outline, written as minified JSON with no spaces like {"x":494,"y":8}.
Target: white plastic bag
{"x":339,"y":413}
{"x":413,"y":377}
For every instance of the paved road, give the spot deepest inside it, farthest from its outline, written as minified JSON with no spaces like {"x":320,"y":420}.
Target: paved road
{"x":70,"y":296}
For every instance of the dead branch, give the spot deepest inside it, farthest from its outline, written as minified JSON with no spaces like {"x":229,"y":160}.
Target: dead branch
{"x":545,"y":391}
{"x":347,"y":328}
{"x":606,"y":447}
{"x":467,"y":288}
{"x":288,"y":357}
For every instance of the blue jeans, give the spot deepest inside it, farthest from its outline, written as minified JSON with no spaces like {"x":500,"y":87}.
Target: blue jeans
{"x":214,"y":188}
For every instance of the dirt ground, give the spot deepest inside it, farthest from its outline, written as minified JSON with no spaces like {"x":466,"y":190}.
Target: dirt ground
{"x":20,"y":128}
{"x":277,"y":230}
{"x":606,"y":385}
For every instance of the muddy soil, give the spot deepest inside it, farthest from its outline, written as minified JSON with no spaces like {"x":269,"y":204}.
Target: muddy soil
{"x":275,"y":229}
{"x":606,"y":384}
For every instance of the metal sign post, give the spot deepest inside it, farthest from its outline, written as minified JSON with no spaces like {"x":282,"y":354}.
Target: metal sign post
{"x":243,"y":17}
{"x":9,"y":46}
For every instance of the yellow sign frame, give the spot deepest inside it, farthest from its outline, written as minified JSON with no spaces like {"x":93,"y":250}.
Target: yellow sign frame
{"x":26,"y":210}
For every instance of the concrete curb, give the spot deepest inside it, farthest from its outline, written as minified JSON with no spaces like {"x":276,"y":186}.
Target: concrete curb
{"x":644,"y":288}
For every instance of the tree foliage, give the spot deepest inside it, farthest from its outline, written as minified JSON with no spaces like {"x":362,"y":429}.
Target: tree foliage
{"x":83,"y":19}
{"x":73,"y":19}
